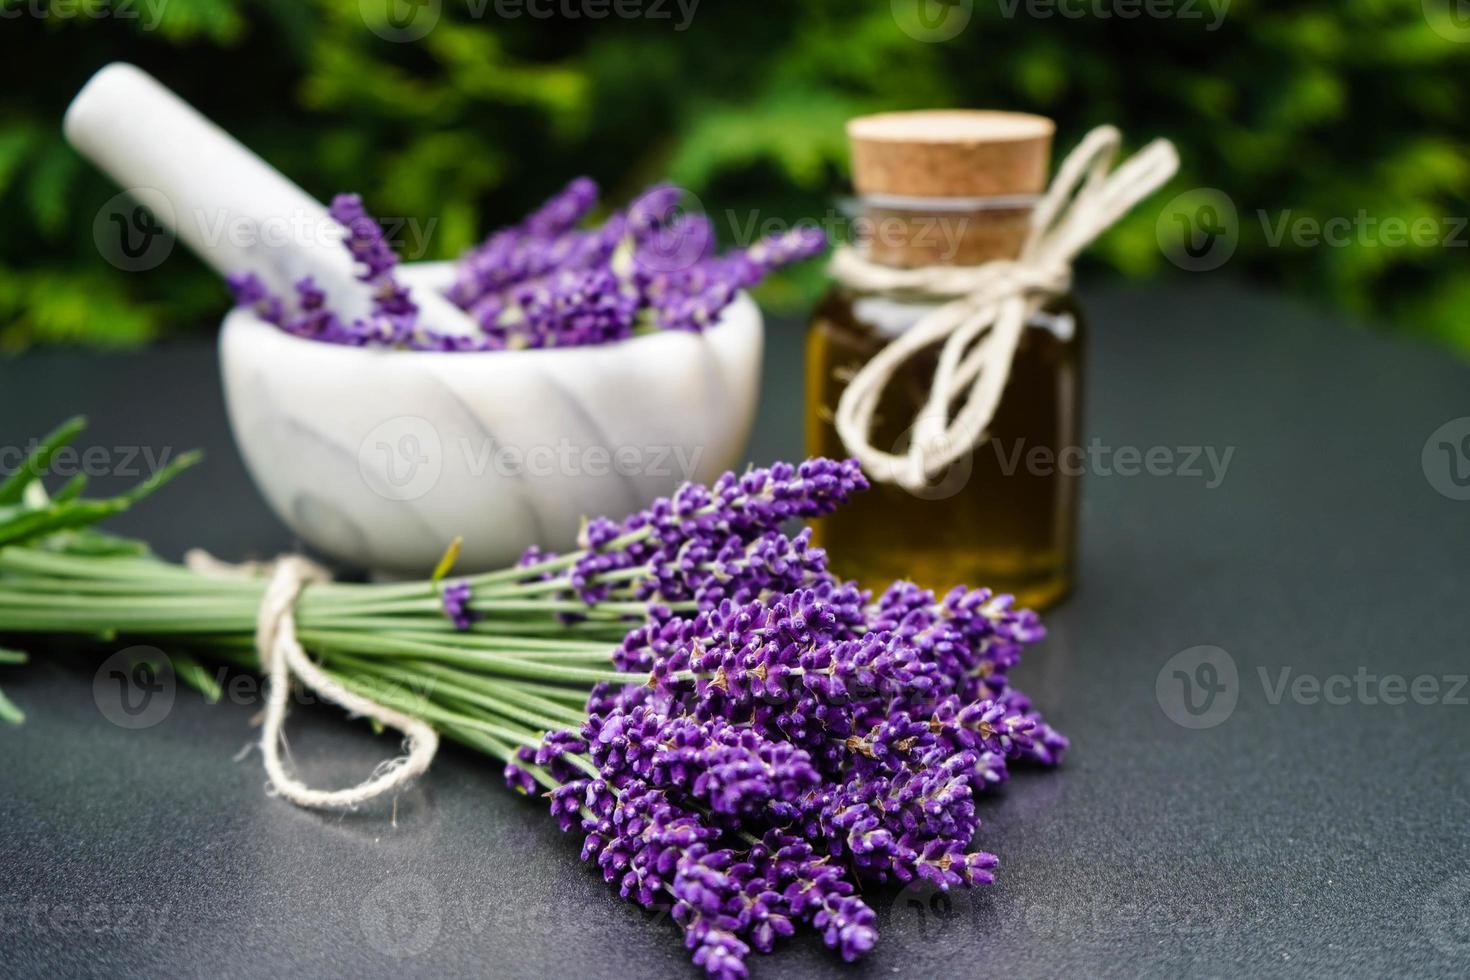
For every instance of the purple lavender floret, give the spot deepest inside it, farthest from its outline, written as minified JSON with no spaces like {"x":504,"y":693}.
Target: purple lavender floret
{"x":520,"y":780}
{"x":365,"y":239}
{"x":315,"y":320}
{"x":249,"y":291}
{"x":573,"y":309}
{"x":747,"y":268}
{"x":691,"y":300}
{"x":456,"y":598}
{"x":652,"y":209}
{"x":561,"y":213}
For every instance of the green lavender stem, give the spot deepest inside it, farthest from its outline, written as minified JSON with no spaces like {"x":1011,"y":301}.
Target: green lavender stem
{"x":527,"y":663}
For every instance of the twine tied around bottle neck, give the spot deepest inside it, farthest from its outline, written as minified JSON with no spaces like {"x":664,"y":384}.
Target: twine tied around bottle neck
{"x":282,"y":658}
{"x":989,"y":306}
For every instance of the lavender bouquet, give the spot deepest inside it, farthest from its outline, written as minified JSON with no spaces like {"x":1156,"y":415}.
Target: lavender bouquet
{"x":545,"y":282}
{"x":741,"y":737}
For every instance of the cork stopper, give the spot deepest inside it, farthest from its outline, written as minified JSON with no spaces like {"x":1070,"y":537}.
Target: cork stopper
{"x":950,"y":153}
{"x":966,"y":156}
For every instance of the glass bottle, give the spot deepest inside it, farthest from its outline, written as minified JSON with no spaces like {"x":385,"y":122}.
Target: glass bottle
{"x":1005,"y":515}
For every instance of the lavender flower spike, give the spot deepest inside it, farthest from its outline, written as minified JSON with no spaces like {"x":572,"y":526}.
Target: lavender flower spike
{"x":561,"y":213}
{"x":375,"y":257}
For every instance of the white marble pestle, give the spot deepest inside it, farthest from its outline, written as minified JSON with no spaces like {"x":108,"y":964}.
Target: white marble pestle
{"x":235,"y":211}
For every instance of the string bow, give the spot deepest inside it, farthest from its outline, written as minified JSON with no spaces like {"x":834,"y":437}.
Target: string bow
{"x":989,"y":307}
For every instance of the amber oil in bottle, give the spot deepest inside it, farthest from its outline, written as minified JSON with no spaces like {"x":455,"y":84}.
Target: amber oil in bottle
{"x":952,"y":188}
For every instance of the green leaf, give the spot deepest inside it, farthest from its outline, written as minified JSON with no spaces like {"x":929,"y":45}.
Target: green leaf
{"x":71,"y":490}
{"x":9,"y":712}
{"x":446,"y":563}
{"x":40,"y":458}
{"x":39,"y":522}
{"x":197,"y":676}
{"x":95,"y":543}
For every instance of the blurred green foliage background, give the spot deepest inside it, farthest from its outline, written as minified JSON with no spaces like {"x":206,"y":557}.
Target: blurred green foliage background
{"x":1312,"y":110}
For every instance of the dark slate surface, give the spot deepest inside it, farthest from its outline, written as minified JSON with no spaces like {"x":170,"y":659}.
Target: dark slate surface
{"x":1295,"y":836}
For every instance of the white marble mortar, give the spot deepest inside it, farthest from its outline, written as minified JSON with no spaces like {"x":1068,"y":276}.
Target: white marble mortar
{"x":379,"y":458}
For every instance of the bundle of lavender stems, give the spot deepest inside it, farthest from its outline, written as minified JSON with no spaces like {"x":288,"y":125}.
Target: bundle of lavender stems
{"x":740,"y":736}
{"x":545,"y":282}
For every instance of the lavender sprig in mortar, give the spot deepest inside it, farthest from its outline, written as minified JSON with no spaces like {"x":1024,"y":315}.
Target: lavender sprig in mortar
{"x":546,"y":282}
